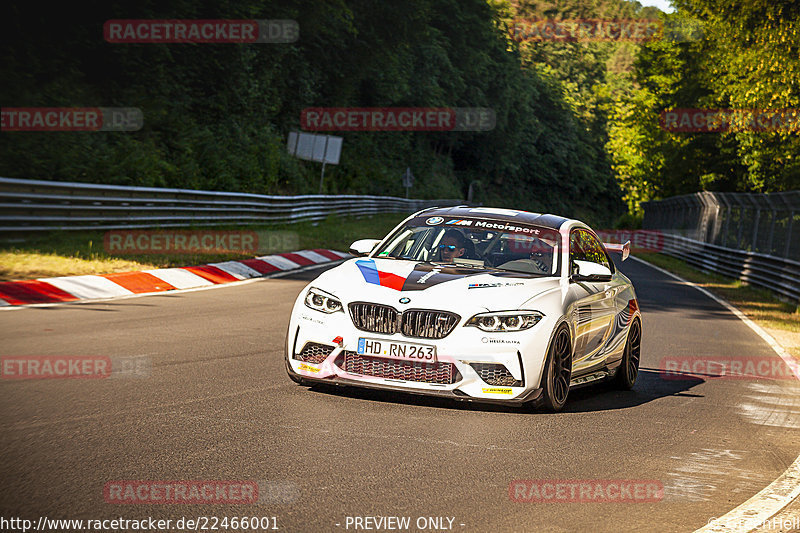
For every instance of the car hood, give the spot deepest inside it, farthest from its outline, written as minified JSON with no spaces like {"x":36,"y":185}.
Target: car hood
{"x":431,"y":286}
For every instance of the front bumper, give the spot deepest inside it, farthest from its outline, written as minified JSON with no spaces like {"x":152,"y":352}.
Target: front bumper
{"x":454,"y":394}
{"x":459,"y":355}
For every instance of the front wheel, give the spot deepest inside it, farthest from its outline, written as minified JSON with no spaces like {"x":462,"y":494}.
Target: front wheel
{"x":558,"y":371}
{"x":629,"y":368}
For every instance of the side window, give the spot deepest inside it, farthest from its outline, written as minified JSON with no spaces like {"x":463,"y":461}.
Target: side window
{"x":584,"y":246}
{"x":575,"y":249}
{"x":596,"y":252}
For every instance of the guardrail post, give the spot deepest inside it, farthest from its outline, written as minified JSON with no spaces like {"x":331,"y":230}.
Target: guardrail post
{"x":785,"y":199}
{"x":727,"y":219}
{"x":753,"y":244}
{"x":685,"y":212}
{"x":739,"y":233}
{"x":771,"y":224}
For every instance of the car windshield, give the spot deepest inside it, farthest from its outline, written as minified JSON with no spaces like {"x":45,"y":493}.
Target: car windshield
{"x":478,"y":243}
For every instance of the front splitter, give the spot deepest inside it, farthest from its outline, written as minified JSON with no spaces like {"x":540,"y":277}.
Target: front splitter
{"x":529,"y":396}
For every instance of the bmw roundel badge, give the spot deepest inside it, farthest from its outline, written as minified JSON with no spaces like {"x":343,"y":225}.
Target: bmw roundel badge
{"x":404,"y":300}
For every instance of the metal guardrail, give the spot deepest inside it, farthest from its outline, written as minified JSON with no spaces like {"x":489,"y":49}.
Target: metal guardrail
{"x":763,"y":223}
{"x":751,"y":237}
{"x":33,"y":205}
{"x":777,"y":274}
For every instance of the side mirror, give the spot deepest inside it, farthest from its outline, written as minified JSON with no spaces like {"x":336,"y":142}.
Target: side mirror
{"x":363,"y":247}
{"x":588,"y":271}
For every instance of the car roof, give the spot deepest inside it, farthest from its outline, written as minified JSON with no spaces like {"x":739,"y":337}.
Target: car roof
{"x":497,"y":213}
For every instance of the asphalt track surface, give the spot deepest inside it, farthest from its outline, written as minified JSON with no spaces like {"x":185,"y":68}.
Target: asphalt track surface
{"x":217,"y":405}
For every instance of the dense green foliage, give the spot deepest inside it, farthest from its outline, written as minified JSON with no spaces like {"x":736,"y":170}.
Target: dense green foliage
{"x":592,"y":75}
{"x":748,"y":58}
{"x":216,"y":116}
{"x":577,"y":123}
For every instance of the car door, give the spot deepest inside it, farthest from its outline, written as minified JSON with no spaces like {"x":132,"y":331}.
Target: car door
{"x":594,"y":308}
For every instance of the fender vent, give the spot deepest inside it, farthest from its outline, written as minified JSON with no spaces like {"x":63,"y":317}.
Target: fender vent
{"x":314,"y":352}
{"x":495,"y":374}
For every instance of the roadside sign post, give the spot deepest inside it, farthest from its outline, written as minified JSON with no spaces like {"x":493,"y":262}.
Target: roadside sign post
{"x":408,"y":180}
{"x":325,"y":149}
{"x":472,"y":185}
{"x":322,"y":174}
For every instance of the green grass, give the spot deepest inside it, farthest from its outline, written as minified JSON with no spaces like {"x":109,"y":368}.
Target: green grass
{"x":72,"y":253}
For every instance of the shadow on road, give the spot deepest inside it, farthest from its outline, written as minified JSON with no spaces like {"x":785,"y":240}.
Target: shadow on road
{"x":651,"y":385}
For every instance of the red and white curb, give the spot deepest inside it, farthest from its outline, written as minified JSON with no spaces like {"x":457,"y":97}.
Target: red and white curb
{"x":123,"y":284}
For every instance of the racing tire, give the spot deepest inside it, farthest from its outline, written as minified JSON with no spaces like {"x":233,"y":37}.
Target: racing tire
{"x":629,"y":367}
{"x":557,"y":371}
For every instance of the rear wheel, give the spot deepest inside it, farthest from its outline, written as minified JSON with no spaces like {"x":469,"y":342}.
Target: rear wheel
{"x":558,"y":371}
{"x":629,"y":368}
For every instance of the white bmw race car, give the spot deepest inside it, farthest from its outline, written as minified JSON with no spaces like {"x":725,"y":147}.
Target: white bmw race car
{"x":478,"y":304}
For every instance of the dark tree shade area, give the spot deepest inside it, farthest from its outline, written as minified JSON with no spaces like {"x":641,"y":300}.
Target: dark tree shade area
{"x":576,"y":123}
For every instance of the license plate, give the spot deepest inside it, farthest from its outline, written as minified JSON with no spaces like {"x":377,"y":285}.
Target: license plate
{"x":408,"y":351}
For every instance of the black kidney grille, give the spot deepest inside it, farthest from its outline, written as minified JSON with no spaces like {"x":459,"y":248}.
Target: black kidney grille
{"x":420,"y":323}
{"x":375,"y":318}
{"x":428,"y":324}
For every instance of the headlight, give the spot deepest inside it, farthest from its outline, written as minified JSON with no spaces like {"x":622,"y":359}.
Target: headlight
{"x":505,"y":320}
{"x":322,"y":301}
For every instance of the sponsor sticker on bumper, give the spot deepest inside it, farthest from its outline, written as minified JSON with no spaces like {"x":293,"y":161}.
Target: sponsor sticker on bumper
{"x":496,"y":390}
{"x":307,"y":368}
